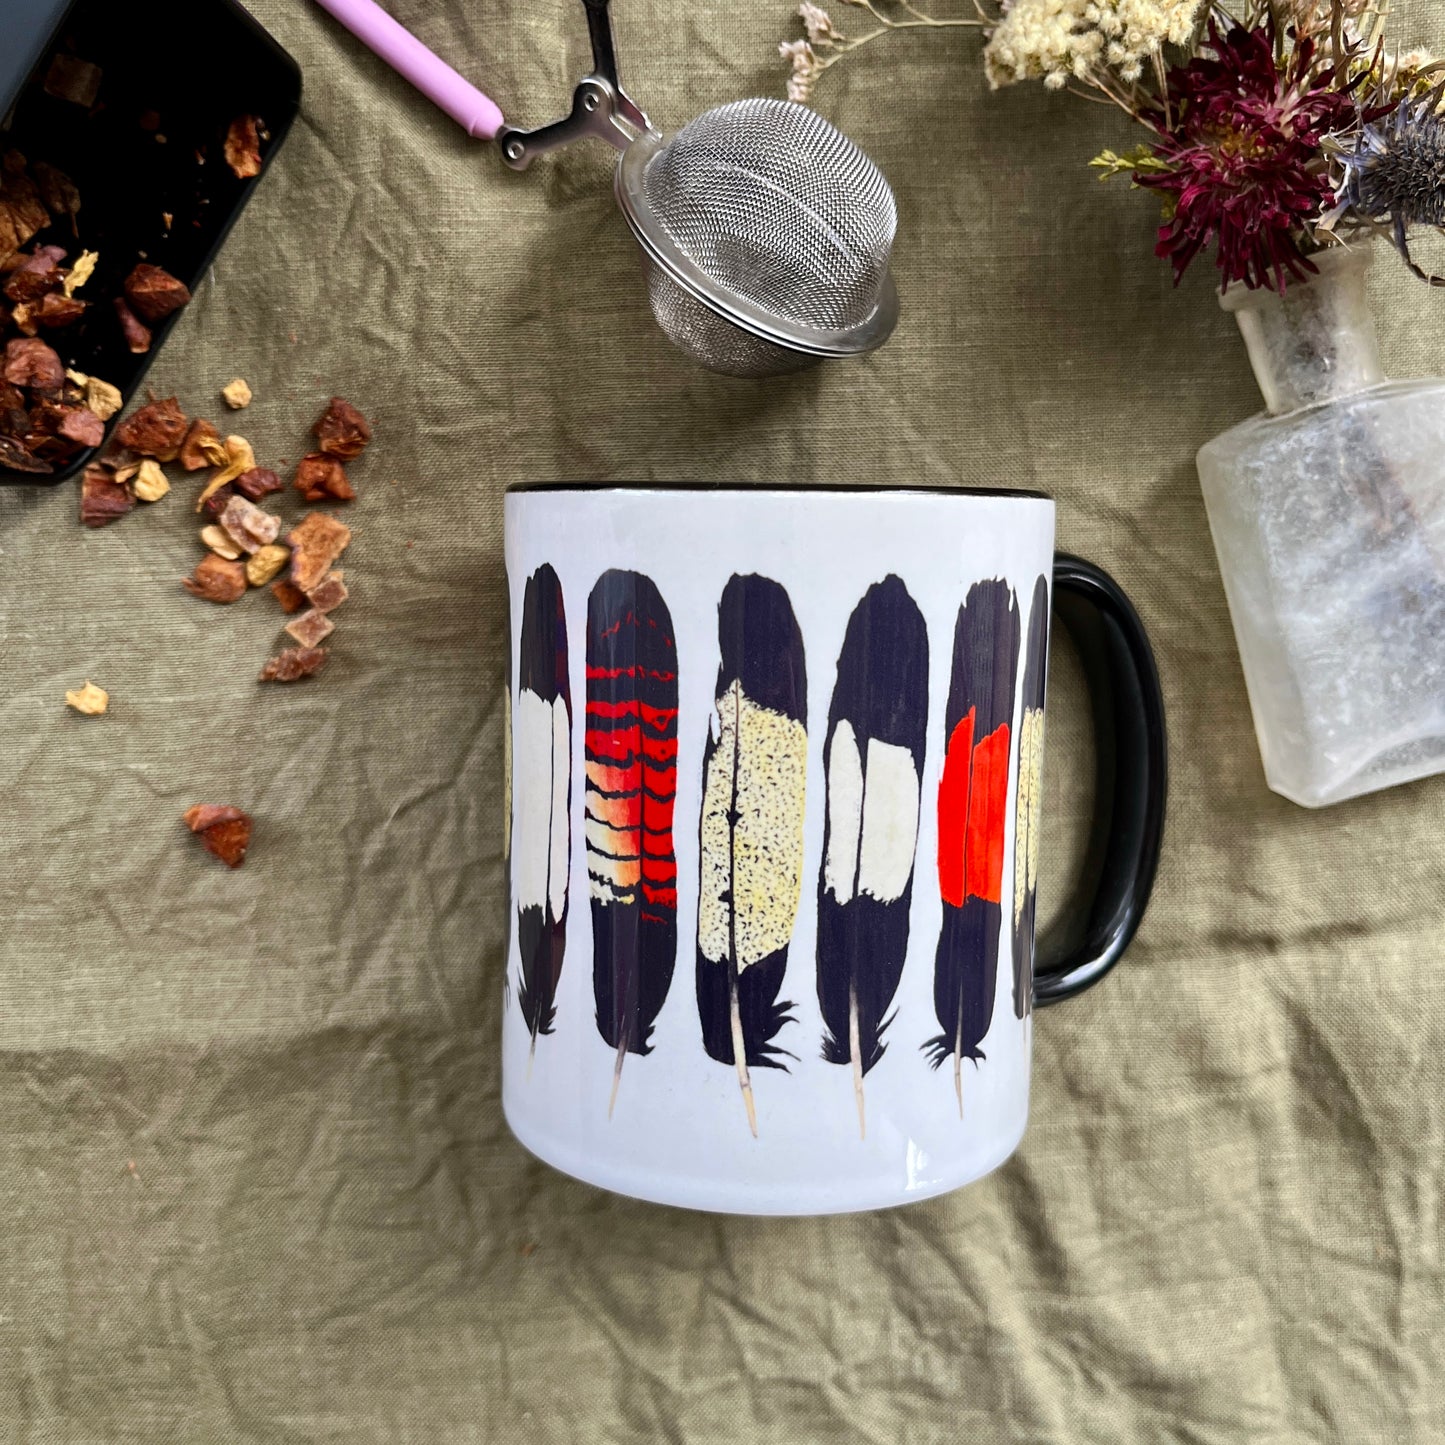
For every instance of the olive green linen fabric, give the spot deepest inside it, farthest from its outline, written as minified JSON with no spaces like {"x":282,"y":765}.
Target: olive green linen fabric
{"x":254,"y":1179}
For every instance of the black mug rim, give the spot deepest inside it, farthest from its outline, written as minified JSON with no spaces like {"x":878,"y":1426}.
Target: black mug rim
{"x":743,"y":489}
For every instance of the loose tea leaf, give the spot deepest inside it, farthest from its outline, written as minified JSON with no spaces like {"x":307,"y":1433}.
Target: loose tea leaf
{"x":217,"y":579}
{"x":342,"y":431}
{"x":223,"y":829}
{"x":294,"y":664}
{"x":90,"y":699}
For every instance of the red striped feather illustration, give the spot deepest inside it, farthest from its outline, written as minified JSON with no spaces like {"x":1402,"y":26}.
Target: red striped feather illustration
{"x":972,"y":812}
{"x":631,"y":744}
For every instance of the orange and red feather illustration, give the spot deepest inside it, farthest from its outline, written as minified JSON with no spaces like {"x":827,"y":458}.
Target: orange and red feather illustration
{"x":972,"y":812}
{"x":631,"y":746}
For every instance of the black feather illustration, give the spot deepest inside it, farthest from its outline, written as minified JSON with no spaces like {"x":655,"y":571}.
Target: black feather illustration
{"x":873,"y":760}
{"x":543,"y":793}
{"x":1026,"y":817}
{"x":754,"y":775}
{"x":972,"y":808}
{"x":631,"y":790}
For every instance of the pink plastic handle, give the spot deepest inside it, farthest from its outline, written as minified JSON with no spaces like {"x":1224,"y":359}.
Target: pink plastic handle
{"x":431,"y":75}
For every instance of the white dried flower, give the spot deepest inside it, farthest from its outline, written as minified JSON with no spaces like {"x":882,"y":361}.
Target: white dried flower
{"x":806,"y":69}
{"x":1056,"y":40}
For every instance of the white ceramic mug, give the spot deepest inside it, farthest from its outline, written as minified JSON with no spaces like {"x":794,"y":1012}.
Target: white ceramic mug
{"x":774,"y":764}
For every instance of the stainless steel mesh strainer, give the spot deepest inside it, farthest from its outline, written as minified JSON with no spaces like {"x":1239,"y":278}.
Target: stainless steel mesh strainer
{"x":766,"y":233}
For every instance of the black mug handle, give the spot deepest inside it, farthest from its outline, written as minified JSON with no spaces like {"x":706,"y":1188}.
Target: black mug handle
{"x":1131,"y":781}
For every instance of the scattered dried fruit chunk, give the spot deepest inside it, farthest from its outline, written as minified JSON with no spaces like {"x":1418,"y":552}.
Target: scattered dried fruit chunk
{"x":311,"y":627}
{"x":195,"y":453}
{"x":57,"y":191}
{"x":258,"y":483}
{"x":81,"y":426}
{"x":35,"y":275}
{"x":150,"y":483}
{"x":156,"y":430}
{"x":215,"y":503}
{"x":221,"y":542}
{"x":73,"y":79}
{"x":55,"y":311}
{"x":239,"y":458}
{"x":329,"y":593}
{"x":32,"y":363}
{"x":243,"y":147}
{"x":289,"y":595}
{"x":137,"y":336}
{"x":342,"y":431}
{"x":22,"y":213}
{"x":316,"y":543}
{"x":217,"y":579}
{"x":90,"y":699}
{"x":225,"y":831}
{"x":102,"y":499}
{"x":80,"y":273}
{"x":236,"y":394}
{"x":294,"y":664}
{"x":320,"y":478}
{"x":102,"y":398}
{"x":251,"y":527}
{"x":266,"y":563}
{"x":154,"y":293}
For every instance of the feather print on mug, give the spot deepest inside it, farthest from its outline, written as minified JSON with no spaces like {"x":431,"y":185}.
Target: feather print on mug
{"x":873,"y":762}
{"x":631,"y":790}
{"x":972,"y":807}
{"x":1030,"y":787}
{"x":750,"y":833}
{"x":543,"y":765}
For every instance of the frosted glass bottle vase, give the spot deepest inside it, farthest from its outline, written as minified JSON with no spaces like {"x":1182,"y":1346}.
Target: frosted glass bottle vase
{"x":1328,"y":515}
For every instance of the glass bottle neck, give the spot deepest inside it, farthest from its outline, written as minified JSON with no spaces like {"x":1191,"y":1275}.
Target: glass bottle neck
{"x":1317,"y":341}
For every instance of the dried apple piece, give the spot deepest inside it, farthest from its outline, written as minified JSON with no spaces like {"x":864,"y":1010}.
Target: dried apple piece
{"x":220,"y":541}
{"x":266,"y":563}
{"x":90,"y":700}
{"x":239,"y":458}
{"x":236,"y":394}
{"x":150,"y":483}
{"x":202,"y":447}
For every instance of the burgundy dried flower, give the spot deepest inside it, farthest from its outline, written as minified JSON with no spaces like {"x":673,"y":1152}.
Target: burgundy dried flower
{"x":1243,"y":169}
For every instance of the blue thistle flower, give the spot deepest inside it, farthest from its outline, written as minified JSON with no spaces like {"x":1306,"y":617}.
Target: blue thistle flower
{"x":1395,"y":173}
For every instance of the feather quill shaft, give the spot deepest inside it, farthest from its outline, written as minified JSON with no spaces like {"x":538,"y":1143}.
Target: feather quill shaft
{"x":873,"y":762}
{"x":751,"y":829}
{"x":1026,"y":816}
{"x":631,"y":759}
{"x":972,"y":807}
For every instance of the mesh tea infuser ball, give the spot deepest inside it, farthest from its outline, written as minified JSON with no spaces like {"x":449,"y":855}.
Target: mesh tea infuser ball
{"x":765,"y":232}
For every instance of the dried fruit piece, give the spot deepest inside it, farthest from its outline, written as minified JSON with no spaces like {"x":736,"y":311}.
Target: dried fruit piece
{"x":265,"y":563}
{"x":80,"y":273}
{"x":320,"y":479}
{"x":137,"y":335}
{"x":90,"y":699}
{"x":236,"y":394}
{"x":294,"y":664}
{"x":243,"y":147}
{"x":102,"y":398}
{"x":215,"y":504}
{"x":342,"y":431}
{"x":221,"y":542}
{"x":57,"y":310}
{"x":239,"y":458}
{"x":289,"y":595}
{"x":73,"y":79}
{"x":81,"y":426}
{"x":57,"y":191}
{"x":316,"y":543}
{"x":202,"y":447}
{"x":21,"y":212}
{"x":329,"y":593}
{"x":258,"y":483}
{"x":15,"y":455}
{"x":32,"y":363}
{"x":102,"y":499}
{"x":35,"y":275}
{"x":311,"y":627}
{"x":224,"y":830}
{"x":217,"y":580}
{"x":251,"y":527}
{"x":156,"y":430}
{"x":150,"y":483}
{"x":154,"y":293}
